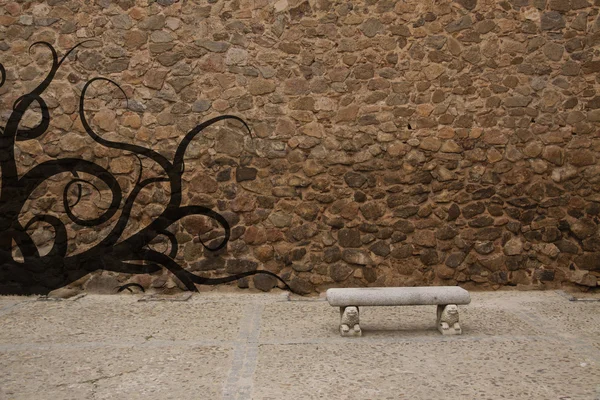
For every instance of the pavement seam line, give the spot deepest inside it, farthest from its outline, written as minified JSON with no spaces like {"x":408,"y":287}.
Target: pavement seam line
{"x":158,"y":344}
{"x":239,"y":382}
{"x":251,"y":360}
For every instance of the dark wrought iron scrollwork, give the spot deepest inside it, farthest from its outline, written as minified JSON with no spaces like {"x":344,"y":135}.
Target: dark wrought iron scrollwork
{"x":128,"y":255}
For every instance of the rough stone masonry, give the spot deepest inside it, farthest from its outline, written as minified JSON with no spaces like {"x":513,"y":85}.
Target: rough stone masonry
{"x":394,"y":143}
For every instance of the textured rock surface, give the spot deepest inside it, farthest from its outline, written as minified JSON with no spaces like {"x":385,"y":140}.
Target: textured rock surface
{"x":397,"y":144}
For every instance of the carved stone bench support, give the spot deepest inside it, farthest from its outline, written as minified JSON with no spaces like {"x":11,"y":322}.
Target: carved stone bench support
{"x":447,"y":319}
{"x":349,"y":321}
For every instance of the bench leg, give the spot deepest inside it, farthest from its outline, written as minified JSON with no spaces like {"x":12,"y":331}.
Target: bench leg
{"x":349,"y":322}
{"x":447,"y":319}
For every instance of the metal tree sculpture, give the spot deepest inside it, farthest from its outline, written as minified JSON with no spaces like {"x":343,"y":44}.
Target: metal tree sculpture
{"x":36,"y":273}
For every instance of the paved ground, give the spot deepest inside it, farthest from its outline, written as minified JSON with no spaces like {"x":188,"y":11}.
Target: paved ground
{"x":215,"y":345}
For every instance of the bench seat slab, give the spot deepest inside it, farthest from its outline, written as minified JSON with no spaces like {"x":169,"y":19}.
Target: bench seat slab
{"x":398,"y":296}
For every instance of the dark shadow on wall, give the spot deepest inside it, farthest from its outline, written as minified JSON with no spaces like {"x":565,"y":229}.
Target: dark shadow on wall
{"x":33,"y":273}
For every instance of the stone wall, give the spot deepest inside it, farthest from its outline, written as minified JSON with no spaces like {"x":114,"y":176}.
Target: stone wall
{"x":392,"y":143}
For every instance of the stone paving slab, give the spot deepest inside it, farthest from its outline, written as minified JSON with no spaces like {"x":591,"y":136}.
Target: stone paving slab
{"x":102,"y":318}
{"x":460,"y":369}
{"x":242,"y":345}
{"x":575,"y":318}
{"x":108,"y":371}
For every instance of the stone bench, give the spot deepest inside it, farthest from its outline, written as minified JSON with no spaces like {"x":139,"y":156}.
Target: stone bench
{"x":446,"y":298}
